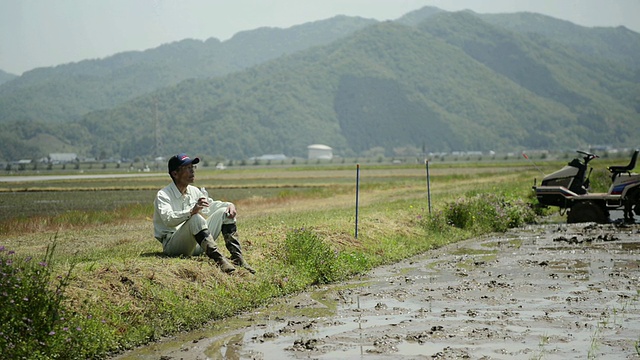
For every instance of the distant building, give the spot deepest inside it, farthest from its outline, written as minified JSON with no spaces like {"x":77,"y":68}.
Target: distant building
{"x":318,"y":151}
{"x":270,"y":157}
{"x":61,"y":158}
{"x":21,"y":164}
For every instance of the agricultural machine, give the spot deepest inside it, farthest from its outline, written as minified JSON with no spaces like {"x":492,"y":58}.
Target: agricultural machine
{"x":568,"y":189}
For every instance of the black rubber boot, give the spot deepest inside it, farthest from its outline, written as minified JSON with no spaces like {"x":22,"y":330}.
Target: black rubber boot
{"x":233,"y":245}
{"x":225,"y":266}
{"x":211,"y":250}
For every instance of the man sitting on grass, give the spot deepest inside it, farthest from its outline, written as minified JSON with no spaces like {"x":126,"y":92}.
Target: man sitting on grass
{"x":187,"y":222}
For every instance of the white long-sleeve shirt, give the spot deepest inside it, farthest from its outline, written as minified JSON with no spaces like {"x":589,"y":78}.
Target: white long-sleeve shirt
{"x":172,"y":208}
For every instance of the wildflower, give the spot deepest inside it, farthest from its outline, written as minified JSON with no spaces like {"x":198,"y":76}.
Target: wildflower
{"x":51,"y":333}
{"x":43,"y":263}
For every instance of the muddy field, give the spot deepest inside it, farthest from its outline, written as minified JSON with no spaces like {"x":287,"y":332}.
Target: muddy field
{"x":545,"y":292}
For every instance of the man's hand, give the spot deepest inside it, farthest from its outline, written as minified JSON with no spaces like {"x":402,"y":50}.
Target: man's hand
{"x":200,"y":204}
{"x":231,"y":211}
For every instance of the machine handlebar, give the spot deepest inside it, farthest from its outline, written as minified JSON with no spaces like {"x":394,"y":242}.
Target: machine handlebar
{"x":587,"y":156}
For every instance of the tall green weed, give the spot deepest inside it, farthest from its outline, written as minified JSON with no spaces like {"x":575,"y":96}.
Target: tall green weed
{"x":34,"y":323}
{"x":309,"y":254}
{"x":482,"y":213}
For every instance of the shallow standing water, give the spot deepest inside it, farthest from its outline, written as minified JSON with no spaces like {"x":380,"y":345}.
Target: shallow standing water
{"x":543,"y":292}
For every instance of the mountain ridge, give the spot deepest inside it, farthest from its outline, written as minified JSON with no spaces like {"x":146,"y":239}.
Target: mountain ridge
{"x":432,"y":80}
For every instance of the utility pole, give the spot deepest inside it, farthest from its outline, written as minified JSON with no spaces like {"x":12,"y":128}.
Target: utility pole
{"x":156,"y":129}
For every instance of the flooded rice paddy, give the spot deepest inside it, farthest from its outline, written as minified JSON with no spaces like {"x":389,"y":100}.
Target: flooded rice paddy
{"x":543,"y":292}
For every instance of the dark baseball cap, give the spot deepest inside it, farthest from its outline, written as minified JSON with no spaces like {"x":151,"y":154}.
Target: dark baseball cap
{"x":180,"y":160}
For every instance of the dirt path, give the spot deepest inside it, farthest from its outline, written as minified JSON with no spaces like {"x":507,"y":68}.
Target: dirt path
{"x":544,"y":292}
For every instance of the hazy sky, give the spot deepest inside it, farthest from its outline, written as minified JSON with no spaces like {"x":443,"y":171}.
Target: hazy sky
{"x":37,"y":33}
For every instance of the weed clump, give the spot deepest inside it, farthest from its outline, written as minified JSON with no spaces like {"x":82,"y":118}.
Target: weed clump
{"x":306,"y":252}
{"x":482,"y":213}
{"x":34,"y":323}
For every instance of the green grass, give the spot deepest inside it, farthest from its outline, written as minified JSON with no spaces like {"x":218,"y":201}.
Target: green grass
{"x":297,"y":229}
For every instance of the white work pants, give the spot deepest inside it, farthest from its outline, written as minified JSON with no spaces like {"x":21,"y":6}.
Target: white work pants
{"x":183,"y":241}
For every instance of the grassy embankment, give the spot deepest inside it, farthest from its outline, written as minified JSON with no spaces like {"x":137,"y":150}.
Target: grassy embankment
{"x":297,"y":227}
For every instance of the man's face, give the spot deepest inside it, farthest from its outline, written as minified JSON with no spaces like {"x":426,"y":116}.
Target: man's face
{"x":185,"y":175}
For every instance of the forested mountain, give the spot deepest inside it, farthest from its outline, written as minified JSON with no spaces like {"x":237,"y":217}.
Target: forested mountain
{"x":5,"y":76}
{"x":432,"y":80}
{"x":67,"y":92}
{"x":618,"y":44}
{"x":452,"y":83}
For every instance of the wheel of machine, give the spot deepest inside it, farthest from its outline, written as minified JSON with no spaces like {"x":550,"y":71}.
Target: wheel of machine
{"x":586,"y":211}
{"x":634,"y":200}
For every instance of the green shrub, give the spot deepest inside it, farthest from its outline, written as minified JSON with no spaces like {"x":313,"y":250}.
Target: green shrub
{"x":305,"y":251}
{"x":436,"y":222}
{"x":353,"y":263}
{"x":34,"y":323}
{"x":488,"y":213}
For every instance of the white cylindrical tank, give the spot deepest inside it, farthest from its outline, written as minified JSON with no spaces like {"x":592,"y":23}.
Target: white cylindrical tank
{"x":318,"y":151}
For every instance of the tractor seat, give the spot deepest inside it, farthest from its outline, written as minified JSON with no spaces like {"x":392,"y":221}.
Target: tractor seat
{"x":616,"y":170}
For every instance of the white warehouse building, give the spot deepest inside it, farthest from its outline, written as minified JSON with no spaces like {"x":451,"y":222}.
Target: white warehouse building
{"x":318,"y":151}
